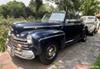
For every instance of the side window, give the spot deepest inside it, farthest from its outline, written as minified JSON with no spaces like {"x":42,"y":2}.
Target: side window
{"x":72,"y":18}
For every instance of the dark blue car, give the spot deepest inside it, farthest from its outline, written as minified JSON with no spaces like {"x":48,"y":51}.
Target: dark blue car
{"x":44,"y":39}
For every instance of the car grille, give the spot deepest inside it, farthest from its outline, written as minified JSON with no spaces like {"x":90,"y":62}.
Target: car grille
{"x":15,"y":41}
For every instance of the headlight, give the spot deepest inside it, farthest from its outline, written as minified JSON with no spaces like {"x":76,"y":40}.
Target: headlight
{"x":29,"y":39}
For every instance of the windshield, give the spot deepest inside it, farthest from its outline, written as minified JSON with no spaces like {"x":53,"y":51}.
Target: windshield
{"x":88,"y":18}
{"x":91,"y":19}
{"x":54,"y":17}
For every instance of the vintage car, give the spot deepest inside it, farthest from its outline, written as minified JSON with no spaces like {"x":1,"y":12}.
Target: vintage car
{"x":44,"y":39}
{"x":92,"y":24}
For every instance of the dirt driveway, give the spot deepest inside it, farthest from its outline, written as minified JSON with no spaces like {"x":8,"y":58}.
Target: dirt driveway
{"x":76,"y":56}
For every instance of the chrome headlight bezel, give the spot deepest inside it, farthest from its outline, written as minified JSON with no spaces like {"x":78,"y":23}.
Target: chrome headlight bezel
{"x":29,"y":39}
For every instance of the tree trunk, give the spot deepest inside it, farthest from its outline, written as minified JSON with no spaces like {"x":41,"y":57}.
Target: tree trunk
{"x":36,"y":14}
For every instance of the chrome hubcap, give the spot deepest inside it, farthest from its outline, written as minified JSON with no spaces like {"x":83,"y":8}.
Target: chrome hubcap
{"x":51,"y":52}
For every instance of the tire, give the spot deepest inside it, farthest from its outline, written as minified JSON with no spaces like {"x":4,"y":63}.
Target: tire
{"x":84,"y":38}
{"x":49,"y":54}
{"x":97,"y":30}
{"x":92,"y":34}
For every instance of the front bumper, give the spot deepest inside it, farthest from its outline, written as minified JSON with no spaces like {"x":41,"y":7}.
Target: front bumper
{"x":25,"y":54}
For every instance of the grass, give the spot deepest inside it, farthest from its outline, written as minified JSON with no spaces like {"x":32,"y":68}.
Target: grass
{"x":96,"y":65}
{"x":56,"y":64}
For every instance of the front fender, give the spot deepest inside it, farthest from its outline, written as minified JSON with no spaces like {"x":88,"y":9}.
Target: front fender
{"x":42,"y":37}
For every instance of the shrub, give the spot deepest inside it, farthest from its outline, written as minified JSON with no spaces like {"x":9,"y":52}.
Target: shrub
{"x":2,"y":44}
{"x":5,"y":25}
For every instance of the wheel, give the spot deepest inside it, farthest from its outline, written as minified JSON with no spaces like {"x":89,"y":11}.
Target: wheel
{"x":84,"y":38}
{"x":92,"y":34}
{"x":49,"y":54}
{"x":97,"y":30}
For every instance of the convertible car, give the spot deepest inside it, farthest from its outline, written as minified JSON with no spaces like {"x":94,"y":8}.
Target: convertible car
{"x":44,"y":39}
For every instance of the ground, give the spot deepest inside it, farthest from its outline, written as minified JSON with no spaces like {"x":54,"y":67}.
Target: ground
{"x":77,"y":56}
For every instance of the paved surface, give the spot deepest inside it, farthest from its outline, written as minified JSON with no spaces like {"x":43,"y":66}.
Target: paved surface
{"x":77,"y":56}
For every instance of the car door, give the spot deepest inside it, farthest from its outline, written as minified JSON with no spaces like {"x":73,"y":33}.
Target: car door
{"x":78,"y":27}
{"x":72,"y":28}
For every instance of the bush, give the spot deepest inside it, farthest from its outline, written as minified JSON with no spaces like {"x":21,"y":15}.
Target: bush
{"x":5,"y":25}
{"x":97,"y":63}
{"x":2,"y":44}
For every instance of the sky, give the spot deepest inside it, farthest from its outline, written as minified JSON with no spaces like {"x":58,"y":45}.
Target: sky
{"x":5,"y":1}
{"x":26,"y":2}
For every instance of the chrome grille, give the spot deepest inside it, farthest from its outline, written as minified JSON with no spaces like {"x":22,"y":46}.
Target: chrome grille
{"x":15,"y":41}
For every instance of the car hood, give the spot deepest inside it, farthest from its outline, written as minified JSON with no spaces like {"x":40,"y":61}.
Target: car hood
{"x":27,"y":26}
{"x":89,"y":22}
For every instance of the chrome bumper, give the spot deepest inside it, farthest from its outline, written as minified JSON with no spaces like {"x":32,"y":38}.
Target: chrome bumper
{"x":25,"y":54}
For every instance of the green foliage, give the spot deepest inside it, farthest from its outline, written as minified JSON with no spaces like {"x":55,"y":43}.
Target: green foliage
{"x":89,"y":7}
{"x":13,"y":9}
{"x":56,"y":64}
{"x":5,"y":25}
{"x":96,"y":65}
{"x":18,"y":9}
{"x":2,"y":44}
{"x":77,"y":4}
{"x":32,"y":6}
{"x":35,"y":6}
{"x":65,"y":5}
{"x":69,"y":5}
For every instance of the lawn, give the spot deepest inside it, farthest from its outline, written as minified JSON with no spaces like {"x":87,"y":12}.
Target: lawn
{"x":96,"y":65}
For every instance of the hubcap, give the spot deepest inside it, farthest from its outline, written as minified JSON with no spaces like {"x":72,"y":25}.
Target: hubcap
{"x":51,"y":51}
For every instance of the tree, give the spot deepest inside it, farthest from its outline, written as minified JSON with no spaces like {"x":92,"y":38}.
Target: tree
{"x":89,"y":7}
{"x":13,"y":9}
{"x":16,"y":9}
{"x":77,"y":4}
{"x":65,"y":5}
{"x":69,"y":5}
{"x":38,"y":5}
{"x":35,"y":6}
{"x":3,"y":11}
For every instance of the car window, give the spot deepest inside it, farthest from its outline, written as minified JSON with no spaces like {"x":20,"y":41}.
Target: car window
{"x":91,"y":19}
{"x":71,"y":18}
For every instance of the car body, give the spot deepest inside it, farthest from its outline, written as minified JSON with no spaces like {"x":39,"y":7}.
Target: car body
{"x":92,"y":23}
{"x":44,"y":39}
